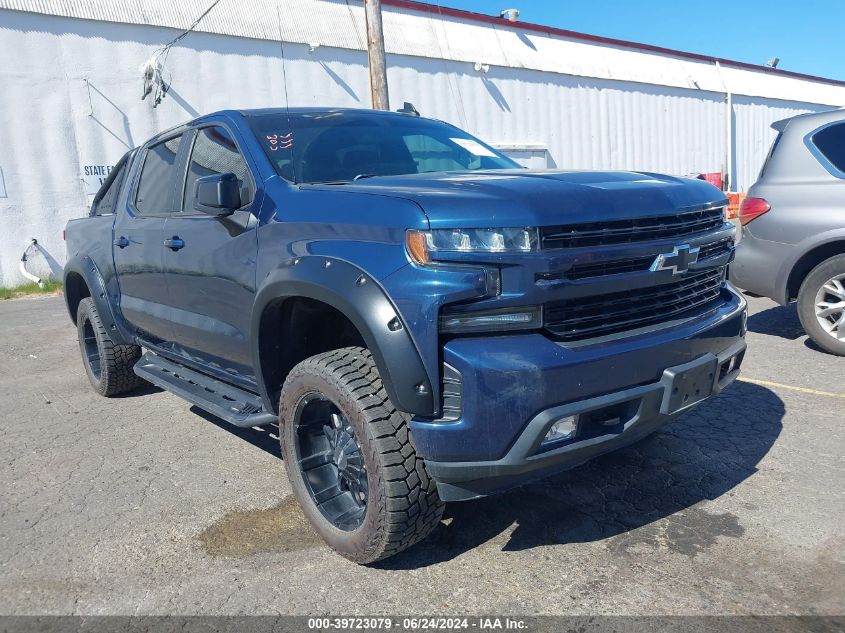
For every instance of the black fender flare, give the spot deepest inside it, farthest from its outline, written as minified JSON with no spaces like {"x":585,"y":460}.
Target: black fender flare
{"x":86,"y":268}
{"x":365,"y":303}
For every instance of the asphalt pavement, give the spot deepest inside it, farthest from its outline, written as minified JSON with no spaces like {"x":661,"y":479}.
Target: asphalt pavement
{"x":144,"y":505}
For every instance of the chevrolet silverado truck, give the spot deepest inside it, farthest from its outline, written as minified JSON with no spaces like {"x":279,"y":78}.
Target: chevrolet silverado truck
{"x":425,"y":320}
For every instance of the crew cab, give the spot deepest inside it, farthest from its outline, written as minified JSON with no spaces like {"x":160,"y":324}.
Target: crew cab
{"x":425,"y":320}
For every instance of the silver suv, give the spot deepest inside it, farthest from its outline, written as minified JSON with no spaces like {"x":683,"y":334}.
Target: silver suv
{"x":793,"y":226}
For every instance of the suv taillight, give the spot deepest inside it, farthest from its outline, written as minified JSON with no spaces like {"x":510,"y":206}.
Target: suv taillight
{"x":752,"y":208}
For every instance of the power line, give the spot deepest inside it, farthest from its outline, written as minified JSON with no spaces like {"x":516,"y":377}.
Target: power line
{"x":355,"y":26}
{"x":460,"y":98}
{"x":166,"y":47}
{"x":154,"y":69}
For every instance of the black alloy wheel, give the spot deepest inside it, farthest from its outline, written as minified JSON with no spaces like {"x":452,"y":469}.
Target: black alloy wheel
{"x":351,"y":460}
{"x":331,"y":462}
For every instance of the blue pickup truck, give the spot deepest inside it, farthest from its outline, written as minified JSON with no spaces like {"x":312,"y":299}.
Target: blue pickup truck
{"x":425,"y":320}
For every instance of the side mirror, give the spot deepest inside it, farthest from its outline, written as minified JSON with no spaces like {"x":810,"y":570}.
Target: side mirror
{"x":218,"y":194}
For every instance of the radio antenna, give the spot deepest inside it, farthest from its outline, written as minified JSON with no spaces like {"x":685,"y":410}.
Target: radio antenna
{"x":285,"y":82}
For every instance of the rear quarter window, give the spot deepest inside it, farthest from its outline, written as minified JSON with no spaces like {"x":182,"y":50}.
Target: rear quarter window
{"x":829,"y":142}
{"x":106,"y":198}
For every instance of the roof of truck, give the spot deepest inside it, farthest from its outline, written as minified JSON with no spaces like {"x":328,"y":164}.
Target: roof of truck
{"x":315,"y":110}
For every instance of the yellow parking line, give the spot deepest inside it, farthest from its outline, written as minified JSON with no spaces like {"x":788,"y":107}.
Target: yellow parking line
{"x":778,"y":385}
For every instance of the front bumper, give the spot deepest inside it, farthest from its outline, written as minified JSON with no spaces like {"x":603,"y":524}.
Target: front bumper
{"x":514,"y":388}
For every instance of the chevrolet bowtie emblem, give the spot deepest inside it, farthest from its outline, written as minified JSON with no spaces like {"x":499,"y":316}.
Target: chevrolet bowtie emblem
{"x":678,"y":261}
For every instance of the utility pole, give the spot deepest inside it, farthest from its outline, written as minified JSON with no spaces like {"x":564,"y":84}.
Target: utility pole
{"x":375,"y":55}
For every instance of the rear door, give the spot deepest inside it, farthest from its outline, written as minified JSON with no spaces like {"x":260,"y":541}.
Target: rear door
{"x":211,"y":262}
{"x":139,"y":240}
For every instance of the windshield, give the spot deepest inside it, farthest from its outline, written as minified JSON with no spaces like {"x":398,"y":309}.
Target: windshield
{"x":340,"y":147}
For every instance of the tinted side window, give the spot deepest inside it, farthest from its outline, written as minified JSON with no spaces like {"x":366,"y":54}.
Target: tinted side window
{"x":831,"y":143}
{"x":215,"y":152}
{"x":158,"y":178}
{"x":106,"y":198}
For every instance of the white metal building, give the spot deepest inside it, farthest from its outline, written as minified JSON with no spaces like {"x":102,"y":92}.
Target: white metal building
{"x":72,"y":84}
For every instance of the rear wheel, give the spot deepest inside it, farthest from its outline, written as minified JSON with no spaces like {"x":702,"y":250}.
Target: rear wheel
{"x":109,"y":366}
{"x":821,"y":305}
{"x":350,"y":458}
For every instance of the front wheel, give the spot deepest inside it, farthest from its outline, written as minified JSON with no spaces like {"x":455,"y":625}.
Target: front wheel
{"x":350,"y":458}
{"x":821,"y":305}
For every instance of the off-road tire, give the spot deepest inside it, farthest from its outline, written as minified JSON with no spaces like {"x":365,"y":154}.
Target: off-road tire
{"x":113,"y":374}
{"x":402,"y":506}
{"x":822,"y":273}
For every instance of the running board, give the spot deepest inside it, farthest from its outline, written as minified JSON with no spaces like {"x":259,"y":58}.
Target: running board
{"x":226,"y":401}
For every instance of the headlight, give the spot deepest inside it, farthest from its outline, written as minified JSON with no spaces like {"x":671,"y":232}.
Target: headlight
{"x":519,"y":318}
{"x":421,"y":244}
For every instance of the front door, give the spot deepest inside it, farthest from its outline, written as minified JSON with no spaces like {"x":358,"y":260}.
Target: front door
{"x":210,"y":263}
{"x":138,"y":241}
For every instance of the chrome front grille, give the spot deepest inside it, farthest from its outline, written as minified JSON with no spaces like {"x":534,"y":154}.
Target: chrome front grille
{"x":715,"y":249}
{"x":612,"y":267}
{"x":643,"y":229}
{"x":591,"y":317}
{"x":585,"y":270}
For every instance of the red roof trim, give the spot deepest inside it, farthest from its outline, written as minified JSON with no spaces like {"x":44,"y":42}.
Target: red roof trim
{"x":413,"y":5}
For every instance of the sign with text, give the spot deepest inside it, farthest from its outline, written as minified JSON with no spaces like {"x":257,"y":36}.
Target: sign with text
{"x":94,"y":176}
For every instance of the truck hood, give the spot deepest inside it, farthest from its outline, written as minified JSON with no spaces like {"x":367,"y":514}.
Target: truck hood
{"x":522,"y":197}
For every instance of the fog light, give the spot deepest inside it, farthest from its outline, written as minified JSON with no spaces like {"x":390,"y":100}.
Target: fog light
{"x":506,"y":319}
{"x":563,"y":429}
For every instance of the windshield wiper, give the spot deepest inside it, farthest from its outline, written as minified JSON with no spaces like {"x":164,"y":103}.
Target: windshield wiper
{"x":343,"y":182}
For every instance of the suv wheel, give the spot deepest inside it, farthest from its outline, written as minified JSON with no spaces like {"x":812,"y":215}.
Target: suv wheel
{"x":821,"y":305}
{"x":109,"y":366}
{"x":350,"y":458}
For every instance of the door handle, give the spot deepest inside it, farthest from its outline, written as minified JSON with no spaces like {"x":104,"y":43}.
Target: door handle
{"x":174,"y":243}
{"x":121,"y":242}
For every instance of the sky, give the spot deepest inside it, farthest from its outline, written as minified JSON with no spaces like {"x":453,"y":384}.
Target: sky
{"x":808,"y":36}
